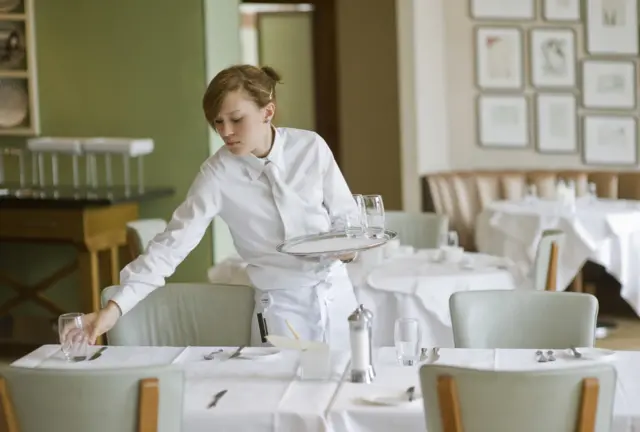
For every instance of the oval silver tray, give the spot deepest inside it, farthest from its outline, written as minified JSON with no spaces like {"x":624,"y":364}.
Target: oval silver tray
{"x":289,"y":244}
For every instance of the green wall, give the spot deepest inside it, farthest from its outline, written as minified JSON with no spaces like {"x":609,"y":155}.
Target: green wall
{"x":120,"y":68}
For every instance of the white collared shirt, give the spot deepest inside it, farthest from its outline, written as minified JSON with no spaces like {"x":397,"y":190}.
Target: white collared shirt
{"x":236,"y":189}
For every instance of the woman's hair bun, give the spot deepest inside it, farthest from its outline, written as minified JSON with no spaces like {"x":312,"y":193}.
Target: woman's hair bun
{"x":271,"y":73}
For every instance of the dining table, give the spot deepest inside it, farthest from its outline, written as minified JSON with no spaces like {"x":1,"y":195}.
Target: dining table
{"x":403,"y":282}
{"x":267,"y":392}
{"x":605,"y":231}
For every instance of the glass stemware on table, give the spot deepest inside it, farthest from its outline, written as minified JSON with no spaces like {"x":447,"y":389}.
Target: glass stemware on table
{"x":368,"y":219}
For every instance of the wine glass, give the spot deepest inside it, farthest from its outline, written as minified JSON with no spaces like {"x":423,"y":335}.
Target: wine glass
{"x":593,"y":193}
{"x":449,"y":239}
{"x":531,"y":194}
{"x":374,"y":210}
{"x":356,"y":221}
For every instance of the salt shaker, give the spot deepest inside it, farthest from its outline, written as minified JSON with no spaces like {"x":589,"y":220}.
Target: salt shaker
{"x":360,"y":332}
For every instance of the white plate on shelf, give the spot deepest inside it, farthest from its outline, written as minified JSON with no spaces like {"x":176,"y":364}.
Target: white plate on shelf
{"x":14,"y":103}
{"x":398,"y":399}
{"x":591,"y":354}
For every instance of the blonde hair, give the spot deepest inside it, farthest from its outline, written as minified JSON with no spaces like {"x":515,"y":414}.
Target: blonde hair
{"x":258,"y":82}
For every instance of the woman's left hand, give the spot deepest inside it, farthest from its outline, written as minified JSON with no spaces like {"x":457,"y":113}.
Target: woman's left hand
{"x":347,"y":258}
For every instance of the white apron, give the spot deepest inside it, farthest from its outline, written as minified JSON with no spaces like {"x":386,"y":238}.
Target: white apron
{"x":317,"y":313}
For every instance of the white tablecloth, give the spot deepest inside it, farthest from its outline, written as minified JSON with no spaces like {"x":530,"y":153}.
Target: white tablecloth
{"x":410,"y":284}
{"x":266,"y":395}
{"x":415,"y":286}
{"x":263,"y":394}
{"x":349,"y":413}
{"x":606,"y":232}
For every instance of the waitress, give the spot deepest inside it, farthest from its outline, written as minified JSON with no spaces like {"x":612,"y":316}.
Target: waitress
{"x":268,"y":184}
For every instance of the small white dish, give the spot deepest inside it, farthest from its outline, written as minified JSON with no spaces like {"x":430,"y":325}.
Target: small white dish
{"x":259,"y":354}
{"x":391,"y":400}
{"x":591,"y":354}
{"x":453,"y":254}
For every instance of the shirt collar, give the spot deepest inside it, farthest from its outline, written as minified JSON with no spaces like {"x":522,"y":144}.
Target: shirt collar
{"x":256,"y":165}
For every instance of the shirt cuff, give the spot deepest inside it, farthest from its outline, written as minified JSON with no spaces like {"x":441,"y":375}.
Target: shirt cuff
{"x":126,"y":299}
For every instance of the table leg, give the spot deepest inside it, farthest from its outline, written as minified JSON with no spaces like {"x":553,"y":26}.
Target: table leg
{"x":577,"y":284}
{"x":89,"y":267}
{"x":115,"y":265}
{"x":89,"y":280}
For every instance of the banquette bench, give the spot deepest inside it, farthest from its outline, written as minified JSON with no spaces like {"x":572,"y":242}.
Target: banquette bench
{"x":462,"y":195}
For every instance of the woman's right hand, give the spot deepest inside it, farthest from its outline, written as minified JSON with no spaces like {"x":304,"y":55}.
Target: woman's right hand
{"x":98,"y":323}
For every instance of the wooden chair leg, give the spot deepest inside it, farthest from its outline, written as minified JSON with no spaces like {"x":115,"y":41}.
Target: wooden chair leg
{"x":588,"y":405}
{"x":10,"y":420}
{"x":449,"y":404}
{"x":148,"y":405}
{"x":578,"y":283}
{"x":552,"y":273}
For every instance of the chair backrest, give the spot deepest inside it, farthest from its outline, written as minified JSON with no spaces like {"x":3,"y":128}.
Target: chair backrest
{"x":181,"y":314}
{"x":420,"y":230}
{"x":560,"y":400}
{"x":96,"y":400}
{"x":140,"y":233}
{"x":523,"y":319}
{"x":544,"y":273}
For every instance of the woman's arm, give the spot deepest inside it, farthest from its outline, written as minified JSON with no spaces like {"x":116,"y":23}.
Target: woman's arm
{"x":338,"y":198}
{"x":168,"y":249}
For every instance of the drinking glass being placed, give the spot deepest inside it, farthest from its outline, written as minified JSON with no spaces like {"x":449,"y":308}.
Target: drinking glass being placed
{"x":73,"y":338}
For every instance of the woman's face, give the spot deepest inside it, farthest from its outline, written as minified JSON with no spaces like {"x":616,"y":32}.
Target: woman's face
{"x":244,"y":127}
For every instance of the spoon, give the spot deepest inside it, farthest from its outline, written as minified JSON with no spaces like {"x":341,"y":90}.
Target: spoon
{"x":576,"y":354}
{"x":212,"y":354}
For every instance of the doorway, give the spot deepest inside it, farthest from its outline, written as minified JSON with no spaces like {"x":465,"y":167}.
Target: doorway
{"x":299,"y":41}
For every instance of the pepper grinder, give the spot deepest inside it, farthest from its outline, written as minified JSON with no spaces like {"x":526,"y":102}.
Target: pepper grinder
{"x":360,"y":332}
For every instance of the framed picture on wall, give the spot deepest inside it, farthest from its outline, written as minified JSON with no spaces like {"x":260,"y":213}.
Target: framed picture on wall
{"x":503,"y":121}
{"x":503,"y":9}
{"x":610,"y":140}
{"x":553,"y":58}
{"x":609,"y":84}
{"x":612,"y":27}
{"x":561,"y":10}
{"x":556,"y":115}
{"x":499,"y":58}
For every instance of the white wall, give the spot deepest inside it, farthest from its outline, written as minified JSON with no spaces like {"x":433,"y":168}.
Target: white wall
{"x":436,"y":61}
{"x":422,"y":89}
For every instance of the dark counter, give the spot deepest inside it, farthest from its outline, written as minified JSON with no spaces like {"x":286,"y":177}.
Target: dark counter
{"x":14,"y":196}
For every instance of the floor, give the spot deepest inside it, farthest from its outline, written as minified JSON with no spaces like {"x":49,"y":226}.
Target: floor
{"x":625,"y":337}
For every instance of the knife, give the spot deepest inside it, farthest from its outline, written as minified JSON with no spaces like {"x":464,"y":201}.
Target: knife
{"x":98,"y":353}
{"x":237,"y":353}
{"x":216,"y":398}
